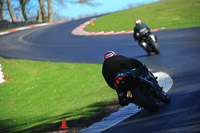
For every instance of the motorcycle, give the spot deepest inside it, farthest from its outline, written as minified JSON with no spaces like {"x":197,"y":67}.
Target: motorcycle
{"x":148,"y":93}
{"x":150,"y":43}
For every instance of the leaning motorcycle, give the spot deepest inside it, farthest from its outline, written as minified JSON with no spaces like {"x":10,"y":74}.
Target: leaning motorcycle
{"x":150,"y":43}
{"x":148,"y":93}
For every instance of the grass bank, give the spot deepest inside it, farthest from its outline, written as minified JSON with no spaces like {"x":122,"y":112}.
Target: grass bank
{"x":172,"y":14}
{"x":42,"y":93}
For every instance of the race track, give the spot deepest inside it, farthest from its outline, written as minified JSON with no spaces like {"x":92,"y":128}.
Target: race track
{"x":180,"y":55}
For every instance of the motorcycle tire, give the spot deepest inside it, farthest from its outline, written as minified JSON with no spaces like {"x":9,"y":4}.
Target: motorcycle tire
{"x":145,"y":101}
{"x":148,"y":50}
{"x":164,"y":97}
{"x":155,"y":47}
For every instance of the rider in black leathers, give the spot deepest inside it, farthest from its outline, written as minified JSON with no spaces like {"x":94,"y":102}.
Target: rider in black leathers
{"x":139,"y":31}
{"x":114,"y":71}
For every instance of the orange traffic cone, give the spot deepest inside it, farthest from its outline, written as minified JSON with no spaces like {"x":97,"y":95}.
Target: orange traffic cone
{"x":64,"y":125}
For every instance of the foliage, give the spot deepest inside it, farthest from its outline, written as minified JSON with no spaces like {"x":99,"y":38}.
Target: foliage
{"x":26,"y":9}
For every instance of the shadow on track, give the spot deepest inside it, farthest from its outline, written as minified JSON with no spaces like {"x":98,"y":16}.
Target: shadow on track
{"x":142,"y":56}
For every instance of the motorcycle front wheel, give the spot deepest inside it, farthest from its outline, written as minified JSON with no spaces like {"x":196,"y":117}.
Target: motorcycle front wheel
{"x":142,"y":100}
{"x":155,"y":47}
{"x":164,"y":97}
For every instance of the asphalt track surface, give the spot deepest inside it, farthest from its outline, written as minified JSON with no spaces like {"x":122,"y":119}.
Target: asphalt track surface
{"x":180,"y":58}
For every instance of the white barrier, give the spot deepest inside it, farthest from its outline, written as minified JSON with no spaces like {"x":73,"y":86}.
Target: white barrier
{"x":1,"y":75}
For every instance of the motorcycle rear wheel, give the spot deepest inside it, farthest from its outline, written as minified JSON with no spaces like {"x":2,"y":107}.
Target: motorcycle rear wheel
{"x":145,"y":101}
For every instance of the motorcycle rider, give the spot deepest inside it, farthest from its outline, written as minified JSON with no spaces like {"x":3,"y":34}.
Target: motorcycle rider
{"x":139,"y":31}
{"x":117,"y":72}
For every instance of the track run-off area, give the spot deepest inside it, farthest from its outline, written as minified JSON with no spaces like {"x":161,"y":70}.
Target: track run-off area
{"x":179,"y":58}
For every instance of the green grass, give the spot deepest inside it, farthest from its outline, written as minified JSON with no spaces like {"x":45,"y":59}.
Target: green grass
{"x":172,"y":14}
{"x":42,"y":93}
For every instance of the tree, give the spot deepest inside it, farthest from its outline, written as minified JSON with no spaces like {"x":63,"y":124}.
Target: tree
{"x":27,"y":8}
{"x":2,"y":10}
{"x":12,"y":15}
{"x":43,"y":11}
{"x":65,"y":2}
{"x":88,"y":2}
{"x":39,"y":17}
{"x":50,"y":11}
{"x":23,"y":8}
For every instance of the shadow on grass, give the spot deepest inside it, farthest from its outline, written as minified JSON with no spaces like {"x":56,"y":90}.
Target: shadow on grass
{"x":88,"y":116}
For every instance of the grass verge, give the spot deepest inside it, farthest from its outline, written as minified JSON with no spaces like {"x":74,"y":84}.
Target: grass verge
{"x":38,"y":93}
{"x":172,"y":14}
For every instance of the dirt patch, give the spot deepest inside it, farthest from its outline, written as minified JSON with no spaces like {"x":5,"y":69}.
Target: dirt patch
{"x":77,"y":125}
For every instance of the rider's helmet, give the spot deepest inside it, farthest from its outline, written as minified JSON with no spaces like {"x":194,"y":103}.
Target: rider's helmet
{"x":138,"y":21}
{"x":109,"y":54}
